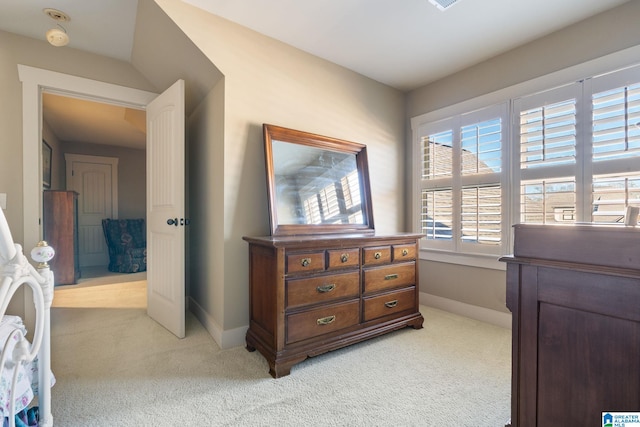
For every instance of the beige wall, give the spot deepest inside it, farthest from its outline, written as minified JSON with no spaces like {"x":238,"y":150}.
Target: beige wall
{"x":581,"y":43}
{"x":263,"y":81}
{"x":266,"y":81}
{"x":16,"y":50}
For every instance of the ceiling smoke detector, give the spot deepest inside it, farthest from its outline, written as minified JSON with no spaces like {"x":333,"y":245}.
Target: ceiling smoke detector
{"x":57,"y":36}
{"x":443,"y":4}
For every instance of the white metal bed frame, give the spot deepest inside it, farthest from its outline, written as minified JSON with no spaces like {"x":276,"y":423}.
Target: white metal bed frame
{"x":16,"y":271}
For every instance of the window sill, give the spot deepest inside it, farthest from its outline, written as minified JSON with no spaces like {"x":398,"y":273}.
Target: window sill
{"x":470,"y":260}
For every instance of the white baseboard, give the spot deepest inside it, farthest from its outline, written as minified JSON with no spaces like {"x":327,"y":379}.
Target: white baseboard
{"x":236,"y":337}
{"x":224,"y":339}
{"x":475,"y":312}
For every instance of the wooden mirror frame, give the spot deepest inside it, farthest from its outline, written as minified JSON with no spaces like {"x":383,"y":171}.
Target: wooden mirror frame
{"x":276,"y":133}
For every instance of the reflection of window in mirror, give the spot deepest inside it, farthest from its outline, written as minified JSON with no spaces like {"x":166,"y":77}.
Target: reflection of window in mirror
{"x":317,"y":187}
{"x":316,"y":184}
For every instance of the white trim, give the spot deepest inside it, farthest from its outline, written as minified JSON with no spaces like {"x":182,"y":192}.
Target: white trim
{"x":34,"y":82}
{"x":224,"y":339}
{"x":475,"y":312}
{"x":472,"y":260}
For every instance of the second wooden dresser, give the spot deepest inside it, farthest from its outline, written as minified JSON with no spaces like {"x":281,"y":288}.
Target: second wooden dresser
{"x":313,"y":294}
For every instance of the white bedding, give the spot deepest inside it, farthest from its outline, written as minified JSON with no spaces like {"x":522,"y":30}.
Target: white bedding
{"x":27,"y":384}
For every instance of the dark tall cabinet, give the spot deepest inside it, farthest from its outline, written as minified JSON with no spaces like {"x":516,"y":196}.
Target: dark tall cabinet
{"x":574,"y":292}
{"x":61,"y":232}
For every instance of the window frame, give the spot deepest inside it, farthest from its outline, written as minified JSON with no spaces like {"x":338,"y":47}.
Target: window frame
{"x":624,"y":64}
{"x":458,"y":182}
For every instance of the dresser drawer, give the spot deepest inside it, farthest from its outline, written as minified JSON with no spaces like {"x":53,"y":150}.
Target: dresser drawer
{"x":320,"y":289}
{"x":388,"y":277}
{"x":304,"y":262}
{"x":404,"y":253}
{"x":391,"y":303}
{"x":343,"y":258}
{"x":376,"y":255}
{"x":322,"y":320}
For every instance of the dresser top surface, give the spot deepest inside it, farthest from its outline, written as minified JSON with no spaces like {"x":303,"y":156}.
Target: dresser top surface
{"x":331,"y":239}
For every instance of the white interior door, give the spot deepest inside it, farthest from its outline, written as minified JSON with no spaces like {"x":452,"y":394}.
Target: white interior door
{"x":94,"y":178}
{"x":166,"y":203}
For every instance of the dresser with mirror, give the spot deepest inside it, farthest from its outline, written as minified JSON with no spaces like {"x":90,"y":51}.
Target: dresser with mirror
{"x":324,"y":279}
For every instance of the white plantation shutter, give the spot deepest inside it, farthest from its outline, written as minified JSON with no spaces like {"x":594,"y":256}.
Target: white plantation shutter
{"x":615,"y":144}
{"x":481,"y":147}
{"x":462,"y":162}
{"x":437,"y":155}
{"x":546,"y":173}
{"x":573,"y":156}
{"x":437,"y":214}
{"x":616,"y":123}
{"x":481,"y":215}
{"x":548,"y":135}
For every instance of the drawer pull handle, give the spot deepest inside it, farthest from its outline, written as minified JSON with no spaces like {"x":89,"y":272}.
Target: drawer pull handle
{"x":305,"y":262}
{"x":390,"y":276}
{"x":405,"y":252}
{"x":391,"y":304}
{"x":344,"y":257}
{"x":377,"y":255}
{"x":326,"y":288}
{"x":326,"y":320}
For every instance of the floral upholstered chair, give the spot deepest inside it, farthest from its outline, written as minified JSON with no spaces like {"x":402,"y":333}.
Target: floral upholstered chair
{"x":127,"y":243}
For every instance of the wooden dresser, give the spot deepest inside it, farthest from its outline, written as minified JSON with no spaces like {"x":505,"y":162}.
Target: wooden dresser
{"x":574,"y":292}
{"x":313,"y":294}
{"x":60,"y":214}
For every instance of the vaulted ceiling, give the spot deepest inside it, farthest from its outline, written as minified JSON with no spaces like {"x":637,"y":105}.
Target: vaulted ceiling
{"x":404,"y":44}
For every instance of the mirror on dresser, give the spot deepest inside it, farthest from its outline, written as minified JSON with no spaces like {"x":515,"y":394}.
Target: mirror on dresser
{"x":324,"y":279}
{"x":316,"y":184}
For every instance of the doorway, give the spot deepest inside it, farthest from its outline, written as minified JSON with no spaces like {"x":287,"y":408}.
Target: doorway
{"x":35,"y":82}
{"x":100,"y":154}
{"x":165,"y":166}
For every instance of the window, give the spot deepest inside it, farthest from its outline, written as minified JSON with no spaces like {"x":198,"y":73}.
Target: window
{"x":461,"y":181}
{"x":546,"y":167}
{"x":574,"y":156}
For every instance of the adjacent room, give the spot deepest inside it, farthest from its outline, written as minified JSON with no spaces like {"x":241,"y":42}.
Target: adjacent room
{"x":345,"y":212}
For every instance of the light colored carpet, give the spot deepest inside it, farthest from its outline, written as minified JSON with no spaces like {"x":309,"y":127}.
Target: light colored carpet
{"x":117,"y":367}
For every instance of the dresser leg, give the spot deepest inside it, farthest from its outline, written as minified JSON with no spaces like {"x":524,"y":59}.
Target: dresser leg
{"x":250,"y":348}
{"x":416,"y":323}
{"x":278,"y":370}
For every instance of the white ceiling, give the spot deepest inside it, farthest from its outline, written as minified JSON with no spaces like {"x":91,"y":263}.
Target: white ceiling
{"x":405,"y":43}
{"x":402,"y":43}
